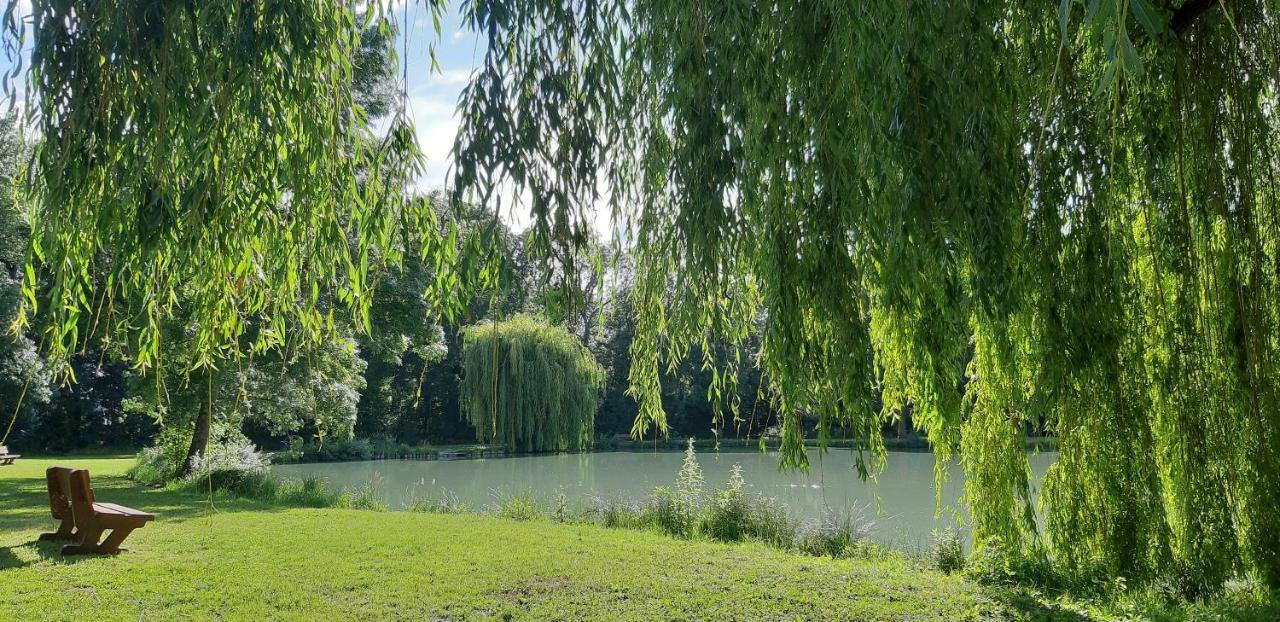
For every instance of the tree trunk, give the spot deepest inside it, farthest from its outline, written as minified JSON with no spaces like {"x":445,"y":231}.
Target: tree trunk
{"x":199,"y":438}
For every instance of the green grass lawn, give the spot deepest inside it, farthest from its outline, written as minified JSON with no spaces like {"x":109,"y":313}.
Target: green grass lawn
{"x":249,"y":561}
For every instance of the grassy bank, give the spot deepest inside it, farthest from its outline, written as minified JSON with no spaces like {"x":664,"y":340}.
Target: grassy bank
{"x":253,"y":560}
{"x":250,"y":561}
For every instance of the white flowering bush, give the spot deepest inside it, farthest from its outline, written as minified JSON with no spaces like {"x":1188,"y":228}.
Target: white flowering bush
{"x":232,"y":454}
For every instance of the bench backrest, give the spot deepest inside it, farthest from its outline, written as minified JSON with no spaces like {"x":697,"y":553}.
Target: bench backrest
{"x":59,"y":480}
{"x":81,"y":495}
{"x":4,"y":449}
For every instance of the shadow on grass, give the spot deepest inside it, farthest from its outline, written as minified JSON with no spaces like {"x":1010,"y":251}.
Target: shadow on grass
{"x":1241,"y":606}
{"x":9,"y":560}
{"x":25,"y":512}
{"x":1031,"y":606}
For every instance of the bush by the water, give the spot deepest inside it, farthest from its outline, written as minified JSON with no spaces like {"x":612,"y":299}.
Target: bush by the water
{"x":367,"y":497}
{"x":340,"y":450}
{"x":947,"y":551}
{"x":835,"y":534}
{"x":229,"y":455}
{"x":733,"y":514}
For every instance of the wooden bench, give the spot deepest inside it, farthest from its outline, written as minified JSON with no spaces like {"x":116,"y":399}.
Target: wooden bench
{"x":83,"y":520}
{"x":7,"y":458}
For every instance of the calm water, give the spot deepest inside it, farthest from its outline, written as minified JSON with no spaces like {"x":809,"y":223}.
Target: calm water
{"x":900,"y":500}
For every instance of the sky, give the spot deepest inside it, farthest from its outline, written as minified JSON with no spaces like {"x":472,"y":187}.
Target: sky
{"x":433,"y":95}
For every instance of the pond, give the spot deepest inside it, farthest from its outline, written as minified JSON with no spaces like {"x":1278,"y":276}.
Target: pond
{"x":899,"y":502}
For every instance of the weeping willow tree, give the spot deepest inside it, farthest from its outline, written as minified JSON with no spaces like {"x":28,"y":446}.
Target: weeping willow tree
{"x":210,"y":157}
{"x":529,"y":385}
{"x":995,"y":211}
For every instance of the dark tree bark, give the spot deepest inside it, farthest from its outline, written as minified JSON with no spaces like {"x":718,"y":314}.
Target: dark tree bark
{"x":199,"y":437}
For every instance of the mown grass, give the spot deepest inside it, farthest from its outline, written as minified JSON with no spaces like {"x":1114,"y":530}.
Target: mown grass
{"x":248,"y":560}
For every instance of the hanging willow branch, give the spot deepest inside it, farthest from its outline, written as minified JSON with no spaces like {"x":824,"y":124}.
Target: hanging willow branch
{"x":207,"y":157}
{"x":529,"y":385}
{"x":1005,"y":214}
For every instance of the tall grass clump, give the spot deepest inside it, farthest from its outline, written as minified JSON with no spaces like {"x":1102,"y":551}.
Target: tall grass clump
{"x":622,"y":513}
{"x":836,"y":534}
{"x":447,"y":503}
{"x":518,"y":506}
{"x":367,"y":497}
{"x":310,"y":492}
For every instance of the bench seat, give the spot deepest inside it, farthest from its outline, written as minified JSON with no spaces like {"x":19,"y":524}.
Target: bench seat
{"x":112,"y":512}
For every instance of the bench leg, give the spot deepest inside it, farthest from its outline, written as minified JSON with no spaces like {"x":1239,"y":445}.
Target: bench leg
{"x":112,"y":543}
{"x":88,"y":542}
{"x":66,"y":531}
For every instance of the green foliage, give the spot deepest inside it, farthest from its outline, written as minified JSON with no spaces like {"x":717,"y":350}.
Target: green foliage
{"x":529,"y":385}
{"x":835,"y":534}
{"x":161,"y":462}
{"x":448,"y":503}
{"x":946,"y":553}
{"x":519,"y":506}
{"x":999,"y":214}
{"x":24,"y":377}
{"x":230,"y":457}
{"x":621,"y":512}
{"x":1060,"y":214}
{"x":224,"y":171}
{"x":735,"y":515}
{"x":729,"y":512}
{"x":307,"y":492}
{"x":367,"y":497}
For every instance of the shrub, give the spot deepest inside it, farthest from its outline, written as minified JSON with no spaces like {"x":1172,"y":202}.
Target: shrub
{"x":160,"y":463}
{"x":232,"y":454}
{"x":520,"y":506}
{"x":728,"y":517}
{"x":836,"y":534}
{"x":770,"y":523}
{"x":996,"y":563}
{"x":235,"y":482}
{"x":339,"y":451}
{"x":677,"y":510}
{"x":307,"y":492}
{"x":622,"y":513}
{"x":669,"y":514}
{"x":448,"y":503}
{"x":561,"y":513}
{"x":152,"y":467}
{"x":366,"y":497}
{"x":947,"y":551}
{"x":228,"y":452}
